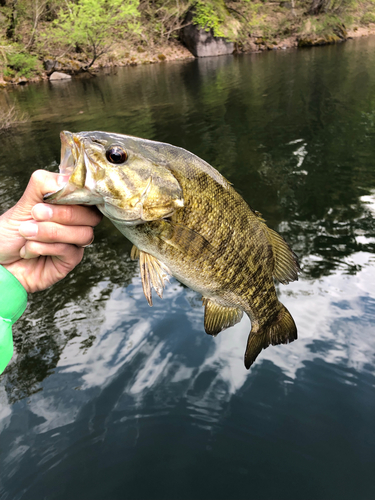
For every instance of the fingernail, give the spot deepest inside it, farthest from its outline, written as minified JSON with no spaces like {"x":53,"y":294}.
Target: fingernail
{"x":88,"y":244}
{"x":28,"y":229}
{"x":42,"y":212}
{"x":23,"y":252}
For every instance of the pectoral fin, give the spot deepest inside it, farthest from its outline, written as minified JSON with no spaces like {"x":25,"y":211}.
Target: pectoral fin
{"x":134,"y":253}
{"x":183,"y":238}
{"x":154,"y":273}
{"x":217,"y":318}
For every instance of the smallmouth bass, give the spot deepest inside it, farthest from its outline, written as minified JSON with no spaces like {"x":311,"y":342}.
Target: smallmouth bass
{"x":185,"y":220}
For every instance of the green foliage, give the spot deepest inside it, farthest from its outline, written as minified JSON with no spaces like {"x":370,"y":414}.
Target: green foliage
{"x":338,"y":6}
{"x":20,"y":64}
{"x":93,"y":24}
{"x":326,"y":25}
{"x":162,"y":19}
{"x":210,"y":15}
{"x":368,"y":18}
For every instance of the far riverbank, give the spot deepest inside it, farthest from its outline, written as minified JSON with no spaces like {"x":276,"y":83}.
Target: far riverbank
{"x":66,"y":39}
{"x":172,"y":51}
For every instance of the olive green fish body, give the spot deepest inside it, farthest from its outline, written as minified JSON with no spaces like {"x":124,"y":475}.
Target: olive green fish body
{"x":186,"y":220}
{"x":221,"y":261}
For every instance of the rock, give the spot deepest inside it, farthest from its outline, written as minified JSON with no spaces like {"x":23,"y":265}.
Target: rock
{"x":49,"y":65}
{"x":252,"y":47}
{"x":63,"y":64}
{"x":59,"y":76}
{"x":69,"y":65}
{"x":312,"y":41}
{"x":21,"y":80}
{"x":202,"y":43}
{"x":259,"y":41}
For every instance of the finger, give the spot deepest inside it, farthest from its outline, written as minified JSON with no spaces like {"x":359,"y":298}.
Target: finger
{"x":50,"y":232}
{"x":69,"y":215}
{"x":69,"y":255}
{"x":40,"y":183}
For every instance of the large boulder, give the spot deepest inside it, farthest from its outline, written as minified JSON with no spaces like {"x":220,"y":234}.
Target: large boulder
{"x":64,"y":64}
{"x":59,"y":76}
{"x":202,"y":43}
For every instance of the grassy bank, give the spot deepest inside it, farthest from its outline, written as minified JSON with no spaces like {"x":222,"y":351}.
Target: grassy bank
{"x":79,"y":36}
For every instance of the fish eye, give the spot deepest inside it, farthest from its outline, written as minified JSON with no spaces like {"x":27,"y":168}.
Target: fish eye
{"x":116,"y":155}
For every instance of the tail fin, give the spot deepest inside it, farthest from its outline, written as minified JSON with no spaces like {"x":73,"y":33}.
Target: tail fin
{"x":281,"y":331}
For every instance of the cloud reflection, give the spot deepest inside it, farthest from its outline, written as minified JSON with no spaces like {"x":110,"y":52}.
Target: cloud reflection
{"x":145,"y":362}
{"x":333,"y":317}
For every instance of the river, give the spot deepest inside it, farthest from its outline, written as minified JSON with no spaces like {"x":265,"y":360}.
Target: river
{"x":109,"y":399}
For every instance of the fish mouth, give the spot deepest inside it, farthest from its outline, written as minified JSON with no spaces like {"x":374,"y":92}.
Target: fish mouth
{"x":71,"y":147}
{"x":80,"y":187}
{"x":75,"y":164}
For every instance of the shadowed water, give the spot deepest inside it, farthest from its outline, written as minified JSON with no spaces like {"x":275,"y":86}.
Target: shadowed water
{"x":107,"y":398}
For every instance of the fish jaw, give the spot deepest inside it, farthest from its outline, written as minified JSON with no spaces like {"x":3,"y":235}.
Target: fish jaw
{"x":80,"y":189}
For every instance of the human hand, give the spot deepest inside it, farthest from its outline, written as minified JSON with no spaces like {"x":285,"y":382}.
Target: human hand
{"x":41,"y":243}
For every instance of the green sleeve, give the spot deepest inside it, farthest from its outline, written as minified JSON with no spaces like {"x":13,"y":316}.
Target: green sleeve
{"x":13,"y":300}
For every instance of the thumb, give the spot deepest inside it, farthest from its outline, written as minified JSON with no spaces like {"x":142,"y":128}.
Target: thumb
{"x":41,"y":183}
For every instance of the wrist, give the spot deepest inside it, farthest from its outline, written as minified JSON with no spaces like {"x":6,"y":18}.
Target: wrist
{"x":13,"y":296}
{"x":12,"y":305}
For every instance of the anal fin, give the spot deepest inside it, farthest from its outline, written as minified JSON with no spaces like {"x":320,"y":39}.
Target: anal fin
{"x":217,"y":318}
{"x":154,"y":273}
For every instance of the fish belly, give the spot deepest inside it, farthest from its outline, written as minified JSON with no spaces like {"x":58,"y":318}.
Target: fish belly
{"x":197,"y":274}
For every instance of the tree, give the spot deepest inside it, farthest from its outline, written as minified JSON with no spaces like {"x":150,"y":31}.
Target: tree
{"x":38,"y":9}
{"x":13,"y":20}
{"x":317,"y":6}
{"x":93,"y":25}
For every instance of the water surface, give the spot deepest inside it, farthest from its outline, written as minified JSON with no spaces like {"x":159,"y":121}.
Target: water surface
{"x":107,"y":398}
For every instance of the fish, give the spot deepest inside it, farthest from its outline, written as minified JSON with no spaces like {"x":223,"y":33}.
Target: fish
{"x":185,"y":220}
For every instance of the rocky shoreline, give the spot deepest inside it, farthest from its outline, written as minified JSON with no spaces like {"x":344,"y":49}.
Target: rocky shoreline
{"x":64,"y":68}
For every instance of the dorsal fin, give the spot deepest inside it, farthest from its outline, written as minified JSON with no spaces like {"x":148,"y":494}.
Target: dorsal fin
{"x":259,"y":215}
{"x":154,"y":273}
{"x":217,"y":318}
{"x":286,"y":266}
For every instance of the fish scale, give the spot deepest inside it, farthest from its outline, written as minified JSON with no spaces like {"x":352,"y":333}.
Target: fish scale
{"x":185,"y":219}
